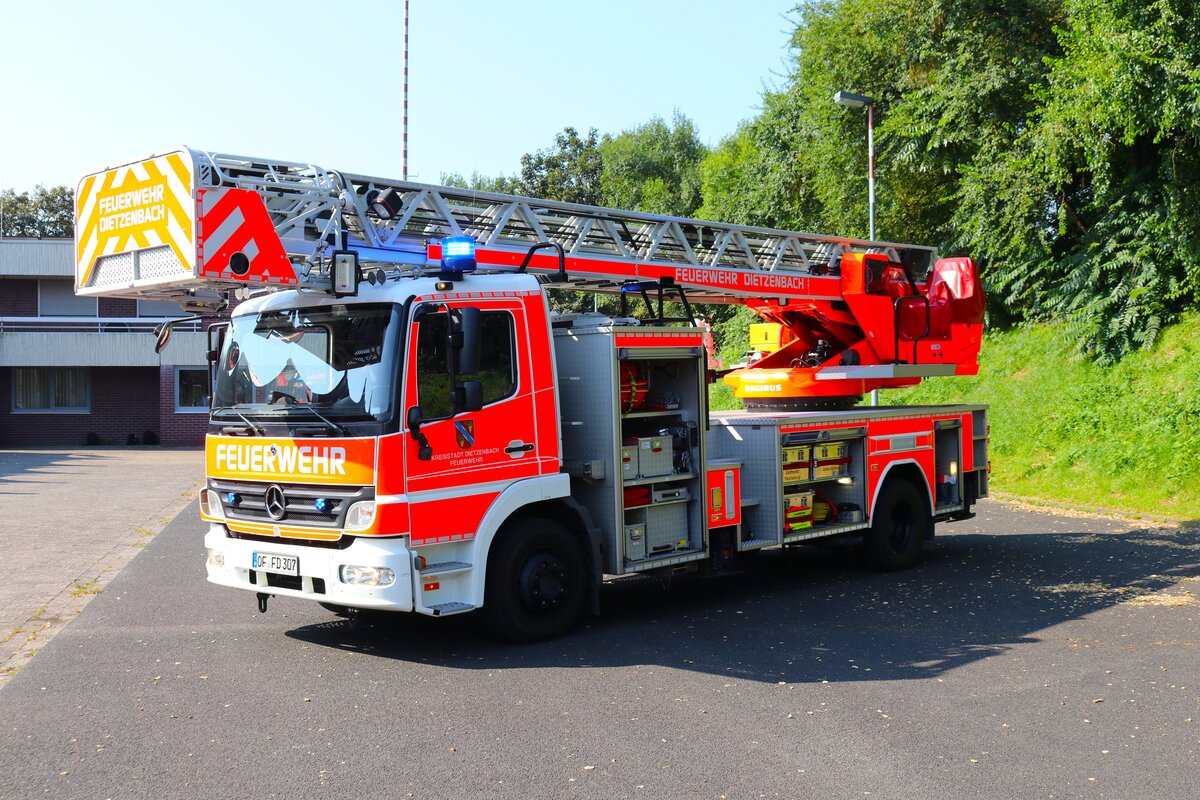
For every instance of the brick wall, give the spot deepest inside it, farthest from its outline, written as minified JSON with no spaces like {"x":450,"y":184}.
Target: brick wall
{"x":125,"y":400}
{"x":174,"y":429}
{"x":18,"y":297}
{"x":115,"y":307}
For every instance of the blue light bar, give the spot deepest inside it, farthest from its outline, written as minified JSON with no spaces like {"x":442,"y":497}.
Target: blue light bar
{"x":458,"y":254}
{"x":321,"y":504}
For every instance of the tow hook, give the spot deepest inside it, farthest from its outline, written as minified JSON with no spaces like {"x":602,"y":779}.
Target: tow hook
{"x":262,"y":602}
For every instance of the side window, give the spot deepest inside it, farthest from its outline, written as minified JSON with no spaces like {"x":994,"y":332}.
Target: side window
{"x":433,"y":381}
{"x":497,"y":360}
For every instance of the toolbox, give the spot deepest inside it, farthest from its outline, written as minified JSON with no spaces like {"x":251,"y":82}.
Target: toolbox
{"x":831,"y":460}
{"x":797,"y":511}
{"x":666,"y":528}
{"x":797,"y":464}
{"x":629,"y":461}
{"x":655,"y":456}
{"x":635,"y":542}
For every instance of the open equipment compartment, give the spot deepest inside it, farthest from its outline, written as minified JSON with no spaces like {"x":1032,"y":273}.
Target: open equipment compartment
{"x":638,"y":471}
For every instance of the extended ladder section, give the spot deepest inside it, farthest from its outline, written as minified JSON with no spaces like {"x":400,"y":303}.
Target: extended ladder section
{"x":175,"y":223}
{"x":190,"y":225}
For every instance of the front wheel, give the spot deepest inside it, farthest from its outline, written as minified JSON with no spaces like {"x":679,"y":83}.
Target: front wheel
{"x":535,"y":582}
{"x":899,"y":527}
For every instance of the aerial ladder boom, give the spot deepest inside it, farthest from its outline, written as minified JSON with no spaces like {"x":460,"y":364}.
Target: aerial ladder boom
{"x":194,"y":226}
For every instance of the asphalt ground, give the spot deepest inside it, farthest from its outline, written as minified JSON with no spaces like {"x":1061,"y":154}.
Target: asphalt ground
{"x":70,"y":520}
{"x":1030,"y":656}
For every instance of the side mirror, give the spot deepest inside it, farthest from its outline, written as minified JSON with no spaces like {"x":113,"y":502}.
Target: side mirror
{"x":468,"y":396}
{"x":164,"y":335}
{"x":464,"y":340}
{"x":424,"y":451}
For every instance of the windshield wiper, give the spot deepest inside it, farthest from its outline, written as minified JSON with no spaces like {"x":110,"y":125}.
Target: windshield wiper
{"x":337,"y":428}
{"x":256,"y":430}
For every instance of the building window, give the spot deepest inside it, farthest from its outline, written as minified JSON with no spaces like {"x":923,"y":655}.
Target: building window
{"x":191,"y":390}
{"x":58,"y":299}
{"x":158,"y":308}
{"x":51,"y":390}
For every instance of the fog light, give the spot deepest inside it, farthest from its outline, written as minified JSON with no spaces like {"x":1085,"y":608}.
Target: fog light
{"x":367,"y":576}
{"x":216,"y":557}
{"x":360,"y":515}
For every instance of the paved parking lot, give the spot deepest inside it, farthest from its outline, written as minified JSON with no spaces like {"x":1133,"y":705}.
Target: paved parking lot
{"x":72,"y":520}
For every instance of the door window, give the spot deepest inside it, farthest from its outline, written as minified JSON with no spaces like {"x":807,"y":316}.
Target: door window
{"x":497,"y":362}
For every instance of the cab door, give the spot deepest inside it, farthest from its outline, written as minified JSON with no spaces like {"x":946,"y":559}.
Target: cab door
{"x":475,"y":454}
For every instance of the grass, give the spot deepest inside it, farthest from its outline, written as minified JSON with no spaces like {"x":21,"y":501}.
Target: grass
{"x":84,"y":589}
{"x":1124,"y":437}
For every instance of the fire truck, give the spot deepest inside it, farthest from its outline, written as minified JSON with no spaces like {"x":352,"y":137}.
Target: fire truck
{"x":400,"y":422}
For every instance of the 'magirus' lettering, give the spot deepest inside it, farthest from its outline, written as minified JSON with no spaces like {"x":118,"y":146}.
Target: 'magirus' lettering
{"x":283,"y":458}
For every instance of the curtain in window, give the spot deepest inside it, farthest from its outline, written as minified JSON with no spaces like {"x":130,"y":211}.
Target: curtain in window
{"x":71,"y":388}
{"x":31,"y":388}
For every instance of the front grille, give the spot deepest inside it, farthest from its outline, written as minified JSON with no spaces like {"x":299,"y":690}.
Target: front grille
{"x":299,"y":502}
{"x":330,"y":544}
{"x":293,"y":582}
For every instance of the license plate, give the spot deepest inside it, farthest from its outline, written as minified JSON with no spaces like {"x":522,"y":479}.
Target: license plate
{"x":276,"y":563}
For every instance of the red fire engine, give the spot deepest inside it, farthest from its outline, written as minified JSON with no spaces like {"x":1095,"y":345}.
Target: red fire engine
{"x":399,"y":422}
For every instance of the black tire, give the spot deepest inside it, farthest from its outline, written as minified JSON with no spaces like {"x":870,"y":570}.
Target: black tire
{"x":535,"y":582}
{"x":899,"y":527}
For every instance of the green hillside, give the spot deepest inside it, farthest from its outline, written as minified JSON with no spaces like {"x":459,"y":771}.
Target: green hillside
{"x":1124,"y":437}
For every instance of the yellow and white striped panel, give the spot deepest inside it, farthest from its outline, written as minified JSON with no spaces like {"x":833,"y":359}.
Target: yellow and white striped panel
{"x":135,"y":225}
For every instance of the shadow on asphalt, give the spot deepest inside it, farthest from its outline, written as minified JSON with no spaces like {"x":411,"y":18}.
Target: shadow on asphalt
{"x":814,"y":615}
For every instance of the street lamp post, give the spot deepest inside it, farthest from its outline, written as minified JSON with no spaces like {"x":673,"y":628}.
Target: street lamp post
{"x":859,"y":101}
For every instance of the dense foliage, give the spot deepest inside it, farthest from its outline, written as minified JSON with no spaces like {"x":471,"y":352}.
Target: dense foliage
{"x":44,"y":213}
{"x":1056,"y":141}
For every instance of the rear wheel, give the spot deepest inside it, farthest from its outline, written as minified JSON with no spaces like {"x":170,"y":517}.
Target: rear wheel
{"x":899,"y":527}
{"x":535,"y":582}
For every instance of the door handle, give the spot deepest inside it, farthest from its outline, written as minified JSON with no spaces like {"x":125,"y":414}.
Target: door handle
{"x":517,"y":448}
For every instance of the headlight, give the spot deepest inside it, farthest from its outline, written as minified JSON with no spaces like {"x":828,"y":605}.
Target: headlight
{"x":360,"y":515}
{"x":216,"y":558}
{"x":210,"y":504}
{"x":367,"y":576}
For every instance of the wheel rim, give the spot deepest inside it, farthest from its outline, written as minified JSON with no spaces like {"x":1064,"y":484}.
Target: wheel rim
{"x":543,"y":582}
{"x":903,"y":528}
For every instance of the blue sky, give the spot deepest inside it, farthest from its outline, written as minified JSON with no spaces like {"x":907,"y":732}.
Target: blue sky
{"x":91,"y":84}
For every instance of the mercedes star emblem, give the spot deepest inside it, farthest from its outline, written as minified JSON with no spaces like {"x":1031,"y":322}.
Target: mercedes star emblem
{"x":276,"y":504}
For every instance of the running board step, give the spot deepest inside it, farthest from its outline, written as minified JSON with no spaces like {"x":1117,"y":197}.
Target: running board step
{"x":446,"y":609}
{"x":445,"y":568}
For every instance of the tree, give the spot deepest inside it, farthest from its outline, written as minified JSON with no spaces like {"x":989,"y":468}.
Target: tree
{"x":568,"y":171}
{"x":654,"y":167}
{"x":46,"y":213}
{"x":480,"y":183}
{"x":1094,"y":214}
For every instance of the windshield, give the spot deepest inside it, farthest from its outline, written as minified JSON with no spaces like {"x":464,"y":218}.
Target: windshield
{"x":323,"y":364}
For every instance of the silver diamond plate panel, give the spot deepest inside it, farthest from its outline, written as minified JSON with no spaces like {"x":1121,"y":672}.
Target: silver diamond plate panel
{"x":160,"y":262}
{"x":114,"y":270}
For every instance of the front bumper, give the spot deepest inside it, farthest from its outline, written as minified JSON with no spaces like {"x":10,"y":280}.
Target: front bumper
{"x":320,"y":569}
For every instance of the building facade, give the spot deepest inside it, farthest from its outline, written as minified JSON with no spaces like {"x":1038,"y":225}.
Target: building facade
{"x":82,"y":370}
